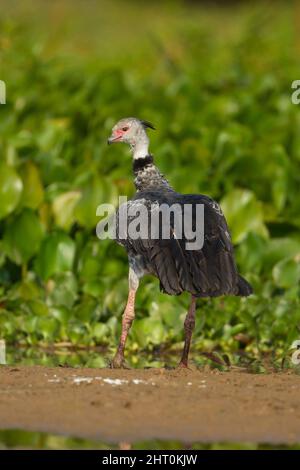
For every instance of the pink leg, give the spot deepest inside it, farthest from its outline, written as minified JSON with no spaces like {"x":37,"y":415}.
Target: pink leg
{"x":127,"y":319}
{"x":189,"y":325}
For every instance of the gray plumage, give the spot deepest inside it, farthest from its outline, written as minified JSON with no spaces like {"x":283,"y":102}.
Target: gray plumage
{"x":207,"y":271}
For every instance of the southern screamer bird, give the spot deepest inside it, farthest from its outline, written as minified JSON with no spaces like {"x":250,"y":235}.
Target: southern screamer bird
{"x":208,"y":271}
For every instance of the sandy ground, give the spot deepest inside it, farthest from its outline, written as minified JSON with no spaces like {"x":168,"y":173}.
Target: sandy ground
{"x":136,"y":405}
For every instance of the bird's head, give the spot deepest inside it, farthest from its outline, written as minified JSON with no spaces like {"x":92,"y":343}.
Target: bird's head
{"x":131,"y":131}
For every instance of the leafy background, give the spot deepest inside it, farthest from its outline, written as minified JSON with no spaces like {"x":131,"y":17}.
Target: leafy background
{"x":216,"y":81}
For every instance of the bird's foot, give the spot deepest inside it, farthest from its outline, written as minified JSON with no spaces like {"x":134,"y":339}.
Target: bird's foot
{"x":118,"y":362}
{"x":183,"y":366}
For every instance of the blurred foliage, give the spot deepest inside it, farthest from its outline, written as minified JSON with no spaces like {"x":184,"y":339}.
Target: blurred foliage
{"x":18,"y":439}
{"x":217,"y":84}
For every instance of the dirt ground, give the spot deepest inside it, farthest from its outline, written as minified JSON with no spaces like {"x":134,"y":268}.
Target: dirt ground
{"x":136,"y":405}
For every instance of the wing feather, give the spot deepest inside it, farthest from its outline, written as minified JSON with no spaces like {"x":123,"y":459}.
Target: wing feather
{"x":210,"y":271}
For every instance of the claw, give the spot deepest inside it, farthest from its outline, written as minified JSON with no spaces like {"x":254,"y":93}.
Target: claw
{"x":183,"y":366}
{"x":118,"y":362}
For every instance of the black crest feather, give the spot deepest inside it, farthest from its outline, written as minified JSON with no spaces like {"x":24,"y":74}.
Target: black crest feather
{"x":148,"y":124}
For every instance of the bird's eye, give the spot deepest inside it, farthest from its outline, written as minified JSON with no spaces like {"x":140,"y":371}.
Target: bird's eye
{"x":125,"y":128}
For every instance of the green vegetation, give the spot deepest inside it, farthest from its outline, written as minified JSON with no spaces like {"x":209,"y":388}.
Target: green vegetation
{"x":217,"y":85}
{"x":15,"y":438}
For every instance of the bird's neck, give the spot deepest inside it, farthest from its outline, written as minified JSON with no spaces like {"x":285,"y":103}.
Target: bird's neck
{"x":147,"y":175}
{"x":140,"y":149}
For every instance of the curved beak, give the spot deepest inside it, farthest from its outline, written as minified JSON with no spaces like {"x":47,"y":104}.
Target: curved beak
{"x":114,"y":138}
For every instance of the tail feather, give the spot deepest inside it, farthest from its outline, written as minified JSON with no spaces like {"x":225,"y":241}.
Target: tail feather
{"x":244,"y":287}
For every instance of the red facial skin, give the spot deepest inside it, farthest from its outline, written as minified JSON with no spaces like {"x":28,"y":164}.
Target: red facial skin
{"x":118,"y":134}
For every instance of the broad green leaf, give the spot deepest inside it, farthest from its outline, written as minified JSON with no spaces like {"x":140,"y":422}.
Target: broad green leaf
{"x":286,"y":273}
{"x":90,"y":268}
{"x":63,"y":208}
{"x":33,"y":191}
{"x":28,"y":289}
{"x":148,"y":331}
{"x":62,"y":314}
{"x":92,"y":196}
{"x":37,"y":308}
{"x":56,"y":255}
{"x":93,"y":288}
{"x":76,"y":332}
{"x":168,"y":311}
{"x":48,"y":327}
{"x":30,"y":324}
{"x":250,"y":253}
{"x":278,"y":249}
{"x":244,"y":214}
{"x":10,"y":189}
{"x":23,"y":236}
{"x":86,"y":309}
{"x":100,"y":332}
{"x":62,"y":290}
